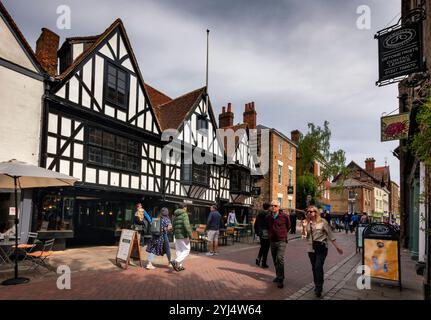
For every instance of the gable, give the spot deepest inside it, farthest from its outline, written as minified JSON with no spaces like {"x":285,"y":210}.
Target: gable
{"x":11,"y":47}
{"x":85,"y":85}
{"x":189,"y":134}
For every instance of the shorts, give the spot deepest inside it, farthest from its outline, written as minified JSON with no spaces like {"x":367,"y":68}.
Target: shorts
{"x":213,"y":235}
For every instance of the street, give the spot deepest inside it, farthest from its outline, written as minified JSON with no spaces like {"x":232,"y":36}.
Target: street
{"x":232,"y":275}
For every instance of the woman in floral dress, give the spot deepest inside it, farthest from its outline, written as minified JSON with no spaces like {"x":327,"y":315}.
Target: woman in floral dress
{"x":159,"y":244}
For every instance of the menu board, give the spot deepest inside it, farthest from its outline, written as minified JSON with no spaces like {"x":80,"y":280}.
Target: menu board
{"x":129,"y":241}
{"x":381,"y":256}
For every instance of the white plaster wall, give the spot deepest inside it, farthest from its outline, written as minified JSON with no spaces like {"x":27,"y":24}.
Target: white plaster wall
{"x":11,"y":50}
{"x":20,"y":116}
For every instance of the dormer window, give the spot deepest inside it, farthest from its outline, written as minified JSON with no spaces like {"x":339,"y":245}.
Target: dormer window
{"x":116,"y":86}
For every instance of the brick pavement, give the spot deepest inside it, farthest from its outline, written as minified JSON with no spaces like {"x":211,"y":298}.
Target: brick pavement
{"x":231,"y":275}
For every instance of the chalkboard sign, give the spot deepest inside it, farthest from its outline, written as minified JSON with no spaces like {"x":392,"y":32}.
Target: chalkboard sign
{"x":129,"y":242}
{"x":381,"y":251}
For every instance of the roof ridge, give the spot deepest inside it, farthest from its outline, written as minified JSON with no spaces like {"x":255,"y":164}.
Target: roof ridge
{"x":158,"y":91}
{"x":182,"y":96}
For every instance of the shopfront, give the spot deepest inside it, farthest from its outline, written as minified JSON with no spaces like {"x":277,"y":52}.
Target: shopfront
{"x":79,"y":216}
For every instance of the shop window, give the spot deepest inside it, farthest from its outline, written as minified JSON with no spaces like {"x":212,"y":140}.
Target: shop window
{"x":56,"y":213}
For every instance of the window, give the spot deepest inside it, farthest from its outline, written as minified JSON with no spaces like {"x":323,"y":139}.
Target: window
{"x":290,"y":177}
{"x":116,"y":86}
{"x":195,"y":173}
{"x":281,"y":202}
{"x":280,"y":174}
{"x":240,"y":181}
{"x":280,"y":145}
{"x":290,"y":204}
{"x":202,"y":123}
{"x":290,"y":152}
{"x":109,"y":150}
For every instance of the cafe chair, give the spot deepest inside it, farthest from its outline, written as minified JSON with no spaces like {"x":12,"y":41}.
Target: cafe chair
{"x":39,"y":258}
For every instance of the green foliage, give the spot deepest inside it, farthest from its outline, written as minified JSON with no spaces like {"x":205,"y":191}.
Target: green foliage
{"x":306,"y":184}
{"x":315,"y":146}
{"x":421,"y":143}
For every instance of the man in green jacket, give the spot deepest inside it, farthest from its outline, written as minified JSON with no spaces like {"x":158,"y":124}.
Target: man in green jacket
{"x":182,"y":233}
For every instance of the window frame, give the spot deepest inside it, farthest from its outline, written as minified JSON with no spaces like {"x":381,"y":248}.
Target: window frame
{"x":280,"y":145}
{"x":132,"y":159}
{"x":108,"y":100}
{"x":280,"y":174}
{"x":189,"y":180}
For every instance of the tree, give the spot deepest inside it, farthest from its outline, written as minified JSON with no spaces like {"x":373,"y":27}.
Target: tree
{"x":315,"y":147}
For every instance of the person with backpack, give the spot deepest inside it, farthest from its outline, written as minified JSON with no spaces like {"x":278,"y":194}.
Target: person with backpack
{"x":213,"y":229}
{"x":141,"y":222}
{"x":182,"y":234}
{"x":159,"y":243}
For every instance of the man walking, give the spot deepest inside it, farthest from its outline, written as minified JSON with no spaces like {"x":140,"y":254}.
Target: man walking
{"x":182,"y":233}
{"x":213,"y":229}
{"x":261,"y":230}
{"x":278,"y":227}
{"x":293,"y":218}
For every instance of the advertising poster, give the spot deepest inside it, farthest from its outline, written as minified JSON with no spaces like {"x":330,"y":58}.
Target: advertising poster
{"x":381,"y":256}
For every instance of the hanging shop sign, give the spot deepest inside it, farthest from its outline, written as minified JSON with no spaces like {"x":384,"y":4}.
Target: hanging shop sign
{"x":400,"y":52}
{"x":290,"y":190}
{"x":395,"y":127}
{"x":381,"y":252}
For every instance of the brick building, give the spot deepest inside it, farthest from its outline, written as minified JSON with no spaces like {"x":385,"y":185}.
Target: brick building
{"x":280,"y":182}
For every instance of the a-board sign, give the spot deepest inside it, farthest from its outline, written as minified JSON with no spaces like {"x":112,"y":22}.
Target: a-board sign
{"x":129,"y":242}
{"x":381,"y":251}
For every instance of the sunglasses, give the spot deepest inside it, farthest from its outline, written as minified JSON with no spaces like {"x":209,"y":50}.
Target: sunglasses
{"x":311,"y":211}
{"x":274,"y":205}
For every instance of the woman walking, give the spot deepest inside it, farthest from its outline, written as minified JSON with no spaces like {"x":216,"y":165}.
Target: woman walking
{"x":141,"y":222}
{"x":317,"y":232}
{"x":159,"y":244}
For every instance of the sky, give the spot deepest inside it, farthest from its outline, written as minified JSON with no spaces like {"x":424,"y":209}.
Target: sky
{"x":300,"y":61}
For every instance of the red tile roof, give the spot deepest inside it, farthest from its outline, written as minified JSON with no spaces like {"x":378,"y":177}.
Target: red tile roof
{"x":173,"y":113}
{"x":20,"y":36}
{"x":156,"y":97}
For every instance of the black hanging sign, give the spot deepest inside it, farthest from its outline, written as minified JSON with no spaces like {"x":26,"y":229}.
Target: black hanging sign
{"x":400,"y":52}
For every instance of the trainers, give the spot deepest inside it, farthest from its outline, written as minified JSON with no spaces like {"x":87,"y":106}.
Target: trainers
{"x":215,"y":253}
{"x":150,"y":266}
{"x":210,"y":253}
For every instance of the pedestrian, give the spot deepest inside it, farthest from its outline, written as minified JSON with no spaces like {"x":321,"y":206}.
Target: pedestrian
{"x":182,"y":234}
{"x":141,"y":222}
{"x":278,"y":227}
{"x":261,"y":230}
{"x":293,"y":219}
{"x":364,"y":218}
{"x":213,"y":230}
{"x":338,"y":224}
{"x":159,"y":243}
{"x":231,"y":219}
{"x":346,"y":221}
{"x":318,"y":232}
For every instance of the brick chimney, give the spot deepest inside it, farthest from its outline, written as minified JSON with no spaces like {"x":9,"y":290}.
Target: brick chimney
{"x":250,"y":115}
{"x":295,"y":136}
{"x":46,"y":50}
{"x":225,"y":119}
{"x":369,"y":165}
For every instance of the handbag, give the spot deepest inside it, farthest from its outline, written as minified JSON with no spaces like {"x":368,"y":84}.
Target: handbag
{"x":318,"y":246}
{"x":155,"y":227}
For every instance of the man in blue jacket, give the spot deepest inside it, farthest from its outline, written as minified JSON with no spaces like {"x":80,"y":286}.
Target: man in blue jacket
{"x":213,"y":228}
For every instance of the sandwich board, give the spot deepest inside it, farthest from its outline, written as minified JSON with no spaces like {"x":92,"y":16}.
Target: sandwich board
{"x":128,"y":247}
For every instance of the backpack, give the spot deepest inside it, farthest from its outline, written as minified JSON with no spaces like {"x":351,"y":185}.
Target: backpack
{"x":155,"y":227}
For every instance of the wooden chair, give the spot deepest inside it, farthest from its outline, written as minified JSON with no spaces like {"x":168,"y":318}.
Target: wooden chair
{"x":222,"y":238}
{"x":196,"y":242}
{"x":231,"y":234}
{"x":39,"y":258}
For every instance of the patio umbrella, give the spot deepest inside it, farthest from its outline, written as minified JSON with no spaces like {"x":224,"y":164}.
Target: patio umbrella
{"x":15,"y":174}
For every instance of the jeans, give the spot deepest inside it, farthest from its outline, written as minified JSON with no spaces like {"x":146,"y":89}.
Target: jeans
{"x":263,"y":251}
{"x":167,"y":248}
{"x":317,"y":260}
{"x":277,"y":251}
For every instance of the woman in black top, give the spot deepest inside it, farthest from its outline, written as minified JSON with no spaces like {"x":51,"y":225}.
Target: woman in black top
{"x":261,"y":230}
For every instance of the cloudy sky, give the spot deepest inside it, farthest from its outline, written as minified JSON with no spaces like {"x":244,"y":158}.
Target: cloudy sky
{"x":300,"y":60}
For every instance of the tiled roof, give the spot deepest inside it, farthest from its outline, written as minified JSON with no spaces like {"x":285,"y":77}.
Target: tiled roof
{"x":381,"y":173}
{"x":19,"y":34}
{"x":173,"y":113}
{"x":156,"y":97}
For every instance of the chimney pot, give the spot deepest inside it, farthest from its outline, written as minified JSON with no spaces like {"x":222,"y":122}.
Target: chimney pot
{"x":249,"y":116}
{"x":223,"y":110}
{"x":229,"y":107}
